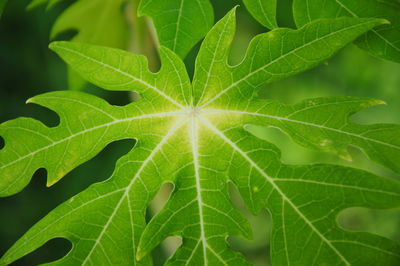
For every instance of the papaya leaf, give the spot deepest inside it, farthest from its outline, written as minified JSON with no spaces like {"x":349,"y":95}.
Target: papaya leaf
{"x":383,"y":41}
{"x":264,"y":11}
{"x":100,"y":22}
{"x":180,"y":24}
{"x":194,"y":137}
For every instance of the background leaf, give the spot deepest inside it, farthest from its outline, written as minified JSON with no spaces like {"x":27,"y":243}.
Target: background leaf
{"x":264,"y":11}
{"x":93,"y":129}
{"x":383,"y":42}
{"x":100,"y":22}
{"x":180,"y":24}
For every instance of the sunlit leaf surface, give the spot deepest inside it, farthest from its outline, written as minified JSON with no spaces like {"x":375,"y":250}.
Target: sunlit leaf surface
{"x":193,"y":135}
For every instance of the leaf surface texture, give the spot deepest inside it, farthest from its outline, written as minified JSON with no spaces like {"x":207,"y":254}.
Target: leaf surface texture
{"x":193,"y":135}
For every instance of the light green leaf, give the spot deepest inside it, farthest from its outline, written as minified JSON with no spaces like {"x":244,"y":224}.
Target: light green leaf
{"x":270,"y":57}
{"x":100,"y":22}
{"x":93,"y":129}
{"x":323,"y":124}
{"x":383,"y":42}
{"x":190,"y":137}
{"x":264,"y":11}
{"x":180,"y":24}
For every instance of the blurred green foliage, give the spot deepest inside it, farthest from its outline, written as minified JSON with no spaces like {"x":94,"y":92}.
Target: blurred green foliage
{"x":28,"y":68}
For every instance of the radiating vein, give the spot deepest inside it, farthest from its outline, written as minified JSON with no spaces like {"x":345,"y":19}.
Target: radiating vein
{"x":276,"y":187}
{"x":164,"y":140}
{"x":374,"y":31}
{"x":90,"y":130}
{"x":169,"y":98}
{"x":281,"y":57}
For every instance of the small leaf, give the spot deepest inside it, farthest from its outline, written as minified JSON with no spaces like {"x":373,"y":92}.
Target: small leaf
{"x":99,"y":22}
{"x":383,"y":42}
{"x":264,"y":11}
{"x":271,"y":56}
{"x":180,"y":24}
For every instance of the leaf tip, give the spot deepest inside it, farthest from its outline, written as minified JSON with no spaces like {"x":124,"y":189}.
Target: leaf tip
{"x":53,"y":46}
{"x":233,"y":10}
{"x":380,"y":102}
{"x":346,"y":156}
{"x":373,"y":102}
{"x":385,"y":21}
{"x":140,"y":254}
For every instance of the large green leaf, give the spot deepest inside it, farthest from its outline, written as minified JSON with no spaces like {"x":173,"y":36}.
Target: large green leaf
{"x":383,"y":42}
{"x":264,"y":11}
{"x":194,"y":137}
{"x":180,"y":24}
{"x":100,"y":22}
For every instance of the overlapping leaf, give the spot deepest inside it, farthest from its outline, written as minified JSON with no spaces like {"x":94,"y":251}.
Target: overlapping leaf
{"x":263,"y":11}
{"x":193,"y":136}
{"x":180,"y":24}
{"x":100,"y":22}
{"x":383,"y":42}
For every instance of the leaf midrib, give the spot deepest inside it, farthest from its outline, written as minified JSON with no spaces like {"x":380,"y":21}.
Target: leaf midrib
{"x":213,"y":61}
{"x":167,"y":97}
{"x":166,"y":114}
{"x":127,"y":190}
